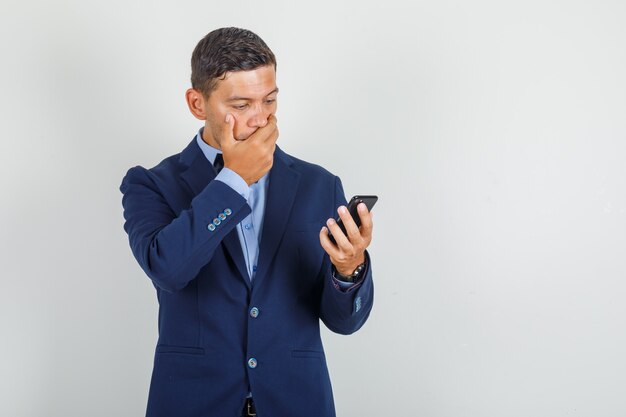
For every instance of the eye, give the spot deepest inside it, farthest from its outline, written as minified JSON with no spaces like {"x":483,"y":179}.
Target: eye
{"x":240,"y":106}
{"x":270,"y":101}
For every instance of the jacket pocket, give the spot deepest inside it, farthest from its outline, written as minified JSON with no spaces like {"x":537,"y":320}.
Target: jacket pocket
{"x":307,"y":353}
{"x":180,"y":349}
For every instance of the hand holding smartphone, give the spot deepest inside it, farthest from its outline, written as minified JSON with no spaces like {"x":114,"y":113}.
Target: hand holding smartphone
{"x":369,"y":201}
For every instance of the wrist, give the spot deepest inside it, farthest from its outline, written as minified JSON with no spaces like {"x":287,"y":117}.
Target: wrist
{"x":352,"y":276}
{"x":349,"y":269}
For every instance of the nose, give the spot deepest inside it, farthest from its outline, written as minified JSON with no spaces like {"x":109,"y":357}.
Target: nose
{"x":258,"y":119}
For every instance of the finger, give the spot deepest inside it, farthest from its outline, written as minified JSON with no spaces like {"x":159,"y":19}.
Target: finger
{"x":271,"y":130}
{"x":367,"y":222}
{"x":275,"y":136}
{"x":351,"y":228}
{"x":269,"y":143}
{"x":327,"y":244}
{"x":342,"y":241}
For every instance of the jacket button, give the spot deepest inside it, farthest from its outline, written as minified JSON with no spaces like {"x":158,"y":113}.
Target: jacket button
{"x":228,"y":212}
{"x":252,"y":363}
{"x":211,"y":227}
{"x":216,"y":221}
{"x":222,"y":216}
{"x":254,"y":312}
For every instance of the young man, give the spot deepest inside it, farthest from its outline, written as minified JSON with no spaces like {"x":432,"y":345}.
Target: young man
{"x":231,"y":233}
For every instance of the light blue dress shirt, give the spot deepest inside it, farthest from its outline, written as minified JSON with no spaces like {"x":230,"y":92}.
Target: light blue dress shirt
{"x":250,"y":228}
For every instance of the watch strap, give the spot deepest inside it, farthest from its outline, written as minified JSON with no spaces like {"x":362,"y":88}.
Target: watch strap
{"x":352,"y":277}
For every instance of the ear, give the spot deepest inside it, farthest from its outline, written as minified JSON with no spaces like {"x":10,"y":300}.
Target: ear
{"x":196,"y":103}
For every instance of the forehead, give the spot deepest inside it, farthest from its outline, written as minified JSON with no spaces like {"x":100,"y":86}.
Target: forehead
{"x":256,"y":83}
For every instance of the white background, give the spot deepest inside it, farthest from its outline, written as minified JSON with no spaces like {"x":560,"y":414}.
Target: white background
{"x":493,"y":132}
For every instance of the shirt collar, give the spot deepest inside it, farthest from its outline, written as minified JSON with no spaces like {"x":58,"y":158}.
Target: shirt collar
{"x":209,"y":152}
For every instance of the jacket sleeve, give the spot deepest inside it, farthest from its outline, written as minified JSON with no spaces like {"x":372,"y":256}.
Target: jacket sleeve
{"x":170,"y":248}
{"x":345,"y":312}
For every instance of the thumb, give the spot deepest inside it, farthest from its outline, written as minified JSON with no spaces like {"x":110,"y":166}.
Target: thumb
{"x":228,"y":129}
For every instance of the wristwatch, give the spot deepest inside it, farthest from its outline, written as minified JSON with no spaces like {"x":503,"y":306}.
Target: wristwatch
{"x":349,"y":278}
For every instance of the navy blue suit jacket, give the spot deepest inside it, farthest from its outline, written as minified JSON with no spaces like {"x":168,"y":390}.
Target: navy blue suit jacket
{"x":206,"y":332}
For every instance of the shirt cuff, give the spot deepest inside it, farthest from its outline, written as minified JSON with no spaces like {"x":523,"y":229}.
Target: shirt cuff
{"x":343,"y":285}
{"x":234,"y":181}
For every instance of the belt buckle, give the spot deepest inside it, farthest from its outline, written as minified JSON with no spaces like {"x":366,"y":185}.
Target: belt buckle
{"x":250,"y":408}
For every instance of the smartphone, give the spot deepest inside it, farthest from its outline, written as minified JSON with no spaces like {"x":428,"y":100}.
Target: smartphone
{"x":369,"y":201}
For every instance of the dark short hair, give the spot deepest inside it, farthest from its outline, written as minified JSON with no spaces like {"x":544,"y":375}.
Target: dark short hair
{"x":226,"y":50}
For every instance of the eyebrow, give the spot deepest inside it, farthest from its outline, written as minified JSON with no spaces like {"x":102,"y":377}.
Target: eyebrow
{"x":238,"y":98}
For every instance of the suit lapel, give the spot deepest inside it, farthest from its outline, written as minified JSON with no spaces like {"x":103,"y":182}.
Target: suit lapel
{"x":199,"y":171}
{"x":283,"y":184}
{"x":198,"y":174}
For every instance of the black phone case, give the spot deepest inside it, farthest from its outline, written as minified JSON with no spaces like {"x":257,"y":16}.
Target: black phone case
{"x":369,"y":201}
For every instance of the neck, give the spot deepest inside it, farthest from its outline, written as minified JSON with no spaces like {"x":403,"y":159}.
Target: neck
{"x":209,"y":139}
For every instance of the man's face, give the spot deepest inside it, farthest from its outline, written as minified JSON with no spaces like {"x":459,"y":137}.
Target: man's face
{"x":249,"y":96}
